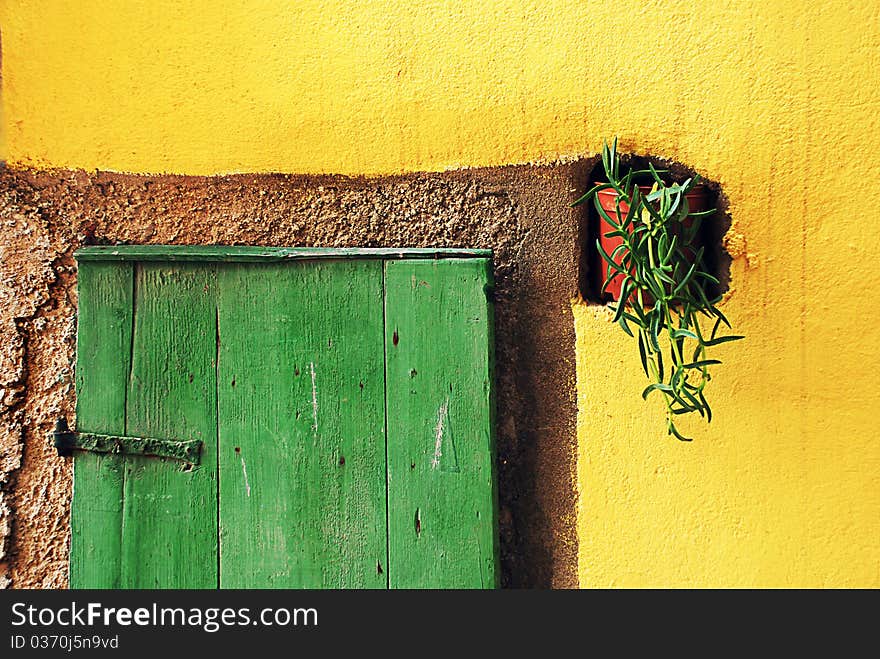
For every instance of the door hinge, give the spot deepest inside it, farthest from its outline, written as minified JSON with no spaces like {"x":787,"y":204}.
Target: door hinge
{"x":66,"y":441}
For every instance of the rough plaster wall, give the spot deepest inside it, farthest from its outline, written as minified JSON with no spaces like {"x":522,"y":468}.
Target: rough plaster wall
{"x":35,"y":376}
{"x":521,"y":213}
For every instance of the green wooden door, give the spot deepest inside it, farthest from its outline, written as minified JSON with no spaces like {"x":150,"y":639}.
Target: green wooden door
{"x":343,"y":399}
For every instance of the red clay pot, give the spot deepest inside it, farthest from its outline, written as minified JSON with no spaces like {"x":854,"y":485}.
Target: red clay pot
{"x":698,"y":200}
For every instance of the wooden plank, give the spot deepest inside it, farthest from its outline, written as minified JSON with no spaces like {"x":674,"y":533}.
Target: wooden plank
{"x":216,"y":253}
{"x":442,"y":514}
{"x":103,"y":348}
{"x":302,"y":444}
{"x":170,"y":509}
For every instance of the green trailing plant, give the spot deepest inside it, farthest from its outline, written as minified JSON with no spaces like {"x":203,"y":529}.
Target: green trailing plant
{"x":664,"y":300}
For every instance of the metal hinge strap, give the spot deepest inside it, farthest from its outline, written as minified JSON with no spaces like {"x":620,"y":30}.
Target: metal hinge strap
{"x":66,"y":441}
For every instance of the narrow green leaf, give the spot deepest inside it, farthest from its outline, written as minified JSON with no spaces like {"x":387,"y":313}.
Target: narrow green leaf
{"x":604,"y":214}
{"x":669,"y":280}
{"x":668,"y":257}
{"x":697,"y":406}
{"x":676,"y":376}
{"x":634,"y":205}
{"x":655,"y":174}
{"x":640,"y":312}
{"x":654,"y":333}
{"x":701,"y":363}
{"x":685,"y":280}
{"x":608,"y":259}
{"x":625,"y":290}
{"x":654,"y":213}
{"x":639,"y":172}
{"x":620,"y":250}
{"x":617,"y":233}
{"x":682,"y":212}
{"x":642,"y":354}
{"x":706,"y":406}
{"x":707,"y":276}
{"x":721,"y":316}
{"x":592,"y":191}
{"x":675,"y":201}
{"x":653,"y":288}
{"x":656,"y":386}
{"x":701,"y":297}
{"x":614,"y":158}
{"x":691,"y":231}
{"x":714,"y":327}
{"x":723,"y":339}
{"x":676,"y":347}
{"x":678,"y":435}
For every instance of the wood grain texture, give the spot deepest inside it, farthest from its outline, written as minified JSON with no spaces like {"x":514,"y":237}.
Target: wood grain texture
{"x":441,"y":467}
{"x":169,"y":530}
{"x":103,"y":349}
{"x":243,"y":253}
{"x":287,"y":371}
{"x":302,"y":444}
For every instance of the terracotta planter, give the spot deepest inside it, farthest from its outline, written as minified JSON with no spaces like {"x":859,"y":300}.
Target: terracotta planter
{"x":698,"y":199}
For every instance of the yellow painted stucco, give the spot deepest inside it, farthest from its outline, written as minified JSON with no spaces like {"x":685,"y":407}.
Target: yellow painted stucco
{"x":778,"y":103}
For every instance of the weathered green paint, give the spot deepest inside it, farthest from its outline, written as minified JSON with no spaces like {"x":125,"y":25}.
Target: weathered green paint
{"x":442,"y":510}
{"x":287,"y":369}
{"x":220,"y":253}
{"x":187,"y":451}
{"x":302,"y":442}
{"x":169,"y":526}
{"x":103,"y":347}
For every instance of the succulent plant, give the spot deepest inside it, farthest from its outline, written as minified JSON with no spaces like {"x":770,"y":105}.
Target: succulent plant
{"x":664,"y":300}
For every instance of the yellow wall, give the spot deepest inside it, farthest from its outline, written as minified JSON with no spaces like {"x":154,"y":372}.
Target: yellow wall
{"x":778,"y":104}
